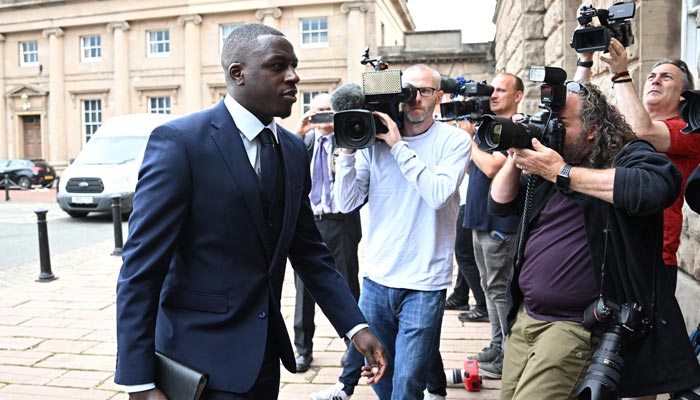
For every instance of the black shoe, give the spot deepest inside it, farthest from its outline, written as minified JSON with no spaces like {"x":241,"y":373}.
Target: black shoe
{"x":303,"y":363}
{"x":474,"y":315}
{"x":453,"y":304}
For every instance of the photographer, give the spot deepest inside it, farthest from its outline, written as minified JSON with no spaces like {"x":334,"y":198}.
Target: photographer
{"x":594,"y":216}
{"x":341,"y":232}
{"x":655,"y":118}
{"x":410,"y":179}
{"x":493,"y":237}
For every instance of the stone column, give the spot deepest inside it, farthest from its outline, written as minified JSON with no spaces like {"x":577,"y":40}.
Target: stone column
{"x":357,"y":37}
{"x":5,"y":152}
{"x":122,"y":95}
{"x":193,"y":66}
{"x":57,"y":99}
{"x":269,"y":16}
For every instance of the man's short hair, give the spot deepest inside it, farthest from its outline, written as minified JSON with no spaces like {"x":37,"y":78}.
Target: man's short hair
{"x":436,"y":75}
{"x":688,"y":82}
{"x":612,"y":131}
{"x":241,"y":41}
{"x":519,"y":86}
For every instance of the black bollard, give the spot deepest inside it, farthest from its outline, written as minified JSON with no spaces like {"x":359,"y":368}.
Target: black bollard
{"x":117,"y":220}
{"x":6,"y":183}
{"x":44,"y":257}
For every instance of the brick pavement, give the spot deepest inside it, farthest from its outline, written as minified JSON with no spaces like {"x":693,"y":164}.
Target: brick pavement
{"x":57,"y":339}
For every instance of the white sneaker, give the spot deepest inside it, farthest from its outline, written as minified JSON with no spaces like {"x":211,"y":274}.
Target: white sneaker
{"x":334,"y":392}
{"x":432,"y":396}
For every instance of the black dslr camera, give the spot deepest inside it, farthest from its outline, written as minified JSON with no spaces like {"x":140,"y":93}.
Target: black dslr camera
{"x":477,"y":104}
{"x":382,"y":90}
{"x":614,"y":23}
{"x":615,"y":322}
{"x":499,"y":134}
{"x":690,"y":111}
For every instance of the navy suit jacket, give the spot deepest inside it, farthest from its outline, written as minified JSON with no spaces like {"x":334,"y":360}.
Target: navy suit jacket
{"x":197,"y":281}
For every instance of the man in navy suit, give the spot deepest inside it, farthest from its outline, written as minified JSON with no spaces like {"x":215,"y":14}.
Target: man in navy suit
{"x":214,"y":221}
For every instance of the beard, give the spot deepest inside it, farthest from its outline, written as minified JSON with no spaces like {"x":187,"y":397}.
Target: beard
{"x":573,"y":152}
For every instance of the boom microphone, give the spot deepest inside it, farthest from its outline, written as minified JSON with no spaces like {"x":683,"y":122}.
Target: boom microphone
{"x":348,"y":97}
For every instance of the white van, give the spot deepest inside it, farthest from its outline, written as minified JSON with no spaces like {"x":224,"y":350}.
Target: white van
{"x":108,"y":164}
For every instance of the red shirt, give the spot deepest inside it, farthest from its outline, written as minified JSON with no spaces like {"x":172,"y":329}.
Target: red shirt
{"x":685,"y":153}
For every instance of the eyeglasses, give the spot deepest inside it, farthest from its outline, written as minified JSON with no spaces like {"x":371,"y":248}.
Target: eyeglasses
{"x":426,"y":91}
{"x":576,"y":87}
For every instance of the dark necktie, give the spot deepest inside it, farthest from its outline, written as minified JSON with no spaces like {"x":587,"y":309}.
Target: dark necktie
{"x":321,"y":180}
{"x":269,"y":163}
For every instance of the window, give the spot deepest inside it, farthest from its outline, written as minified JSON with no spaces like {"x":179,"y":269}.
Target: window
{"x":92,"y":118}
{"x":314,"y":32}
{"x":159,"y":105}
{"x":29,"y":53}
{"x":225,"y":30}
{"x":159,"y":43}
{"x":306,"y":100}
{"x":91,"y":48}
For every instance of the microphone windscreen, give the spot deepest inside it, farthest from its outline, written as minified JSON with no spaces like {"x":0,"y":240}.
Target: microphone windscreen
{"x":449,"y":85}
{"x":348,"y":97}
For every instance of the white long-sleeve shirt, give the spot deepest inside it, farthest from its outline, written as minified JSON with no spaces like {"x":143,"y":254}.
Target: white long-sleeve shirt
{"x":413,"y":205}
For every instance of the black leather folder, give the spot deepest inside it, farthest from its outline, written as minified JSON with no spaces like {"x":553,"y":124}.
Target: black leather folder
{"x":178,"y":381}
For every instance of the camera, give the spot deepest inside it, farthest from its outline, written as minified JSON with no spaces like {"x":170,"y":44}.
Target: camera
{"x":382,"y":90}
{"x":499,"y":134}
{"x":477,"y":104}
{"x":322,"y":117}
{"x":615,"y":322}
{"x":614,"y":23}
{"x":690,"y":111}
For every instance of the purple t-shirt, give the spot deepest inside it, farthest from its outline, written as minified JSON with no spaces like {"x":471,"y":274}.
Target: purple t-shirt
{"x":557,"y":277}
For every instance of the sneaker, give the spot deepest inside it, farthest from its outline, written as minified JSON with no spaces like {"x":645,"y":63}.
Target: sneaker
{"x":432,"y":396}
{"x":453,"y":304}
{"x":334,"y":392}
{"x":492,"y":370}
{"x":474,"y":315}
{"x":487,"y":355}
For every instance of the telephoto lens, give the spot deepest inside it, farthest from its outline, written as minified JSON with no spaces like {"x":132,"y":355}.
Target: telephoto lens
{"x":605,"y":371}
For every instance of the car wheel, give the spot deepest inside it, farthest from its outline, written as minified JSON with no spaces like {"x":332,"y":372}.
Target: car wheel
{"x":77,"y":214}
{"x":24,"y":183}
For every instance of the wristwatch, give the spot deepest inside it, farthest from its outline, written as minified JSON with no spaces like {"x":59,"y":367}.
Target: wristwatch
{"x":563,"y":178}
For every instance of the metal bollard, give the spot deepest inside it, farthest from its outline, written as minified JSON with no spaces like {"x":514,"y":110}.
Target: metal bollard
{"x":6,"y":183}
{"x":117,"y":221}
{"x":44,"y":257}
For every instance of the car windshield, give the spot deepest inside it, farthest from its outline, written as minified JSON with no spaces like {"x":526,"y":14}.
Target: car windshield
{"x":112,"y":150}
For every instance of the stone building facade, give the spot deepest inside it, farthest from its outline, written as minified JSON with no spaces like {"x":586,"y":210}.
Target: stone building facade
{"x":538,"y":32}
{"x":66,"y":66}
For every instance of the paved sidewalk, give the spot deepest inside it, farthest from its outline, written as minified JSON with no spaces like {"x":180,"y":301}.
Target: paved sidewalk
{"x":57,"y":339}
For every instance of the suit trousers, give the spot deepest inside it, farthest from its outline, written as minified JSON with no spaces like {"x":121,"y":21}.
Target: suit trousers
{"x":342,"y":236}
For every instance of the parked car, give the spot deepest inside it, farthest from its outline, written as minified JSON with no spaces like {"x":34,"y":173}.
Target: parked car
{"x":24,"y":173}
{"x":108,"y":165}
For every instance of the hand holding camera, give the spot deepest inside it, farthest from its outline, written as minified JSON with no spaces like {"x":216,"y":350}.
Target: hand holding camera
{"x":617,"y":61}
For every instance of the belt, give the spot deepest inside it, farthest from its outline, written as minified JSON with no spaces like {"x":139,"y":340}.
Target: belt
{"x":334,"y":216}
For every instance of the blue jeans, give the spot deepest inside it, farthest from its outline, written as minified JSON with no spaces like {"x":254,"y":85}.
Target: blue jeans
{"x":407,"y":322}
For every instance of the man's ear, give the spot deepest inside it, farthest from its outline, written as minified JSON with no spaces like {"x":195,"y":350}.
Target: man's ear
{"x":518,"y":96}
{"x":590,"y":135}
{"x":235,"y":72}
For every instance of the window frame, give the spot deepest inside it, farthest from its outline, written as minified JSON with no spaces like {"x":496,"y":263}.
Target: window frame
{"x":305,"y":103}
{"x":160,"y":107}
{"x":94,"y":123}
{"x":23,"y":52}
{"x":313,"y":32}
{"x":164,"y":42}
{"x":222,"y":37}
{"x":91,"y":47}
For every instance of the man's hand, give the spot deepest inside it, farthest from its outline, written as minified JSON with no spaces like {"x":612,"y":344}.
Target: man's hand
{"x":304,"y":125}
{"x":541,"y":161}
{"x":467,"y":125}
{"x":393,"y":136}
{"x":369,"y":346}
{"x":153,"y":394}
{"x":617,"y":62}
